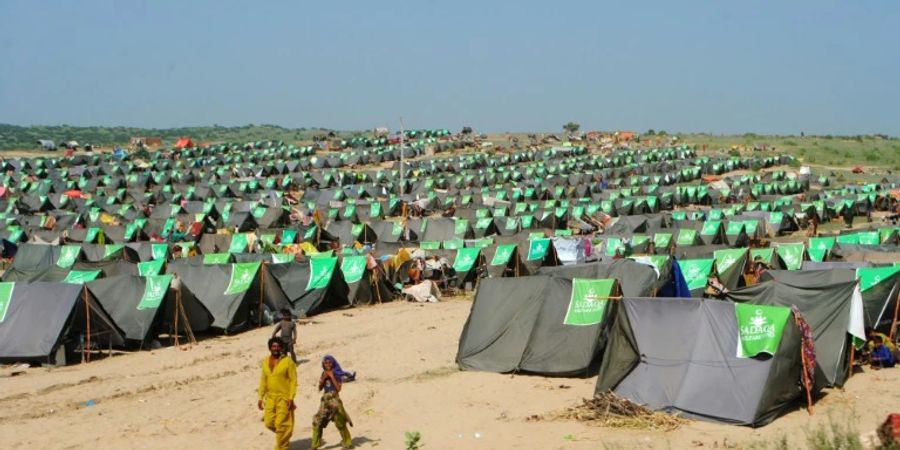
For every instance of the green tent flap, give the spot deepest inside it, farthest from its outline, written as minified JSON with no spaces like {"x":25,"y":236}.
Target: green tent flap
{"x":465,"y":259}
{"x":588,"y":301}
{"x":696,"y":271}
{"x":869,"y":277}
{"x":538,"y":248}
{"x":152,"y":267}
{"x":216,"y":258}
{"x":155,"y":289}
{"x":791,"y":254}
{"x":81,"y":276}
{"x":321,"y":270}
{"x":759,"y":328}
{"x":242,"y":276}
{"x":353,"y":267}
{"x":503,"y":254}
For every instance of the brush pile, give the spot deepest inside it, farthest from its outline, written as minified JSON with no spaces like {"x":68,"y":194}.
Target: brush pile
{"x":610,"y":410}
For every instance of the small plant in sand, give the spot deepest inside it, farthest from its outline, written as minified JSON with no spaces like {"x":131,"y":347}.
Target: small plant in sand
{"x":412,"y":440}
{"x":835,"y":435}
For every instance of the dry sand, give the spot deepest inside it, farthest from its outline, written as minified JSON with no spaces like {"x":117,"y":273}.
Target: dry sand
{"x":205,"y":397}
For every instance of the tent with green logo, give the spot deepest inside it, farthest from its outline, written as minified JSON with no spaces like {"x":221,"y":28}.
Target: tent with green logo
{"x":634,"y":278}
{"x":364,"y":286}
{"x":681,"y":356}
{"x":829,"y":300}
{"x":145,"y":307}
{"x":503,"y":260}
{"x":232,"y":293}
{"x":312,"y":286}
{"x":45,"y":322}
{"x":537,"y":324}
{"x":880,"y":287}
{"x":467,"y":264}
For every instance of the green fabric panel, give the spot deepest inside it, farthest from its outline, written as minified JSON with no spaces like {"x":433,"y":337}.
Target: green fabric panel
{"x":538,"y":248}
{"x":503,"y":254}
{"x":696,"y":271}
{"x":321,"y":270}
{"x":216,"y":258}
{"x":465,"y":259}
{"x":588,"y":301}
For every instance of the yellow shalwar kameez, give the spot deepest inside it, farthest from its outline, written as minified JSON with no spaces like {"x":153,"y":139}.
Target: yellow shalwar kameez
{"x":276,"y":388}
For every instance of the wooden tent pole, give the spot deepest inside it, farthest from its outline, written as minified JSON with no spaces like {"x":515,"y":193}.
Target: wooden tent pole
{"x":893,"y":333}
{"x":176,"y":312}
{"x":262,"y":281}
{"x":852,"y":357}
{"x":85,"y":354}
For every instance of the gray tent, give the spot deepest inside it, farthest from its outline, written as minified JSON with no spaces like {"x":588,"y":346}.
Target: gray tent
{"x":680,"y":355}
{"x":294,"y":280}
{"x":824,"y":297}
{"x":518,"y":324}
{"x":231,"y":312}
{"x":636,"y":279}
{"x":61,"y":309}
{"x":122,"y":295}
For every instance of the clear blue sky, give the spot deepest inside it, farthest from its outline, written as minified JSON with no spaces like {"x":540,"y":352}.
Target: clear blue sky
{"x":819,"y":66}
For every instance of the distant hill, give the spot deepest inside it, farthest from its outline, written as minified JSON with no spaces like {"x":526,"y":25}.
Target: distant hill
{"x":14,"y":137}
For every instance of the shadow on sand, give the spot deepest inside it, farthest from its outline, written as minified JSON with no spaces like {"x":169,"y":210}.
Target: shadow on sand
{"x":335,"y":443}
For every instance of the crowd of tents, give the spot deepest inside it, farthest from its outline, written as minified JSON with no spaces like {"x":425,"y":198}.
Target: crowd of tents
{"x":611,"y":254}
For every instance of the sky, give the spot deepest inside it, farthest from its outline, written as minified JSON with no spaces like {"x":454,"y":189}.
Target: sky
{"x":813,"y":66}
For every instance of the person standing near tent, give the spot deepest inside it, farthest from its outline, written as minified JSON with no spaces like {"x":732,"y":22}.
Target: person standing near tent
{"x":288,"y":330}
{"x":331,"y":407}
{"x":277,"y":387}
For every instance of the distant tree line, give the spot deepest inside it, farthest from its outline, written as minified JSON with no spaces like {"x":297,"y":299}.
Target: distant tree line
{"x":15,"y":137}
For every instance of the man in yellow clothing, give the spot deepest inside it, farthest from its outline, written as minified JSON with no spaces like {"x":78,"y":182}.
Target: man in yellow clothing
{"x":277,"y":387}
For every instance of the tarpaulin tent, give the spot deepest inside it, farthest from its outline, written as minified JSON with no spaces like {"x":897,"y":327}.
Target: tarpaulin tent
{"x":231,"y":292}
{"x":313,"y":286}
{"x":681,"y":356}
{"x":365,"y":286}
{"x":145,"y":306}
{"x":831,"y":303}
{"x":538,"y":324}
{"x":635,"y":279}
{"x":65,"y":313}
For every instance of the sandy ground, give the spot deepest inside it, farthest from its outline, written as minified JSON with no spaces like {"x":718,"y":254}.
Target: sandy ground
{"x":205,"y":397}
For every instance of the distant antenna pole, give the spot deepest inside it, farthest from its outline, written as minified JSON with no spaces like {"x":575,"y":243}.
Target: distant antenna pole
{"x":401,"y":158}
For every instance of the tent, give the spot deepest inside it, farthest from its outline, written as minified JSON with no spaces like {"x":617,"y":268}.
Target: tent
{"x":183,"y":143}
{"x":232,"y":293}
{"x":681,"y":356}
{"x":312,"y":286}
{"x":145,"y":306}
{"x":537,"y":324}
{"x":365,"y":286}
{"x":65,"y":313}
{"x":829,"y":300}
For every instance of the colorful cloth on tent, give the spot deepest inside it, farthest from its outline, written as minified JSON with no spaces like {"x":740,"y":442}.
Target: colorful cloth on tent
{"x":807,"y":344}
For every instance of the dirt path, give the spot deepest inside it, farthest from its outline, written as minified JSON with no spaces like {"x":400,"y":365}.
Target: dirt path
{"x":408,"y":381}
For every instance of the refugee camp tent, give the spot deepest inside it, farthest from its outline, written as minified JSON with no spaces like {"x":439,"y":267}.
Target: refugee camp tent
{"x":312,"y":286}
{"x":66,"y":313}
{"x":536,"y":324}
{"x":232,"y":293}
{"x":681,"y":356}
{"x":829,"y":300}
{"x":365,"y":286}
{"x":635,"y":279}
{"x":145,"y":306}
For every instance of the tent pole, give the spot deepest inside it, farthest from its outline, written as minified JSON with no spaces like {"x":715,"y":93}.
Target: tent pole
{"x":894,"y":320}
{"x":852,"y":357}
{"x":374,"y":275}
{"x":87,"y":317}
{"x":262,"y":281}
{"x":175,"y":320}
